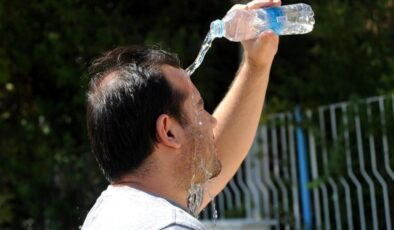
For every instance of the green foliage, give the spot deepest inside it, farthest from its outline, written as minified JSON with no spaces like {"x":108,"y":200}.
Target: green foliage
{"x":48,"y":177}
{"x":236,"y":212}
{"x":349,"y":52}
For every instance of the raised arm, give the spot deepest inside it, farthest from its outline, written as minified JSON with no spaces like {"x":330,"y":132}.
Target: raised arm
{"x":239,"y":112}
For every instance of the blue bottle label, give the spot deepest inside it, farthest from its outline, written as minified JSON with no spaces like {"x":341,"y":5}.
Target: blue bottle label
{"x":276,"y":19}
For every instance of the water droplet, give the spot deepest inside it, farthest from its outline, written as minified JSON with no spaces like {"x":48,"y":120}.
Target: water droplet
{"x":215,"y":214}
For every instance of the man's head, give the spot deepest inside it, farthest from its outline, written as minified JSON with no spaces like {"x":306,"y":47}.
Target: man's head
{"x":127,"y":93}
{"x":133,"y":93}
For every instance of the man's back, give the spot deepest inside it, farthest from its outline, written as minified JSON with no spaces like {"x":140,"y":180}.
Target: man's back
{"x":122,"y":207}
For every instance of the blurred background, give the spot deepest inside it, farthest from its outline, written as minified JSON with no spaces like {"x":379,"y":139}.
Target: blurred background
{"x":49,"y":179}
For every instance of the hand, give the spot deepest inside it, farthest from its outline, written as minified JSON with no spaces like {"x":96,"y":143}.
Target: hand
{"x":260,"y":52}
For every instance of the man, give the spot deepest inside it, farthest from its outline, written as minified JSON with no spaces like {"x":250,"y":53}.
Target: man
{"x":154,"y":141}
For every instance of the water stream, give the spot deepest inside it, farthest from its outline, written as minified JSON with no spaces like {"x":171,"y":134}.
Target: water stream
{"x":201,"y":54}
{"x":215,"y":212}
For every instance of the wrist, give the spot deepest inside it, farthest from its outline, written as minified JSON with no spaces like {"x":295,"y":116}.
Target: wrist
{"x":258,"y":68}
{"x":254,"y":73}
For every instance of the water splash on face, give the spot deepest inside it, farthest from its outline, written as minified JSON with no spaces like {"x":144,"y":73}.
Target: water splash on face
{"x":201,"y":167}
{"x":196,"y":190}
{"x":199,"y":171}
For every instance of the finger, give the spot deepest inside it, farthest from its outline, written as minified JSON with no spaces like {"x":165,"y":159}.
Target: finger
{"x":268,"y":36}
{"x":239,"y":7}
{"x":276,"y":3}
{"x":259,"y":4}
{"x":268,"y":33}
{"x":262,"y":3}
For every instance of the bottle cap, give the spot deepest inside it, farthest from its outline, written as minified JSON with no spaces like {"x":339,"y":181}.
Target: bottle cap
{"x":217,"y":28}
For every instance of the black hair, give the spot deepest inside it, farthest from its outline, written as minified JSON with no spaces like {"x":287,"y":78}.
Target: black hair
{"x":127,"y":93}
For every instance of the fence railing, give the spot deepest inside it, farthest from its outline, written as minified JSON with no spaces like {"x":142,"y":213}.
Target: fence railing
{"x":326,"y":168}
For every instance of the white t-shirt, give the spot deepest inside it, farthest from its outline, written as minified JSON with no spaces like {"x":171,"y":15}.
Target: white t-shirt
{"x":122,"y":207}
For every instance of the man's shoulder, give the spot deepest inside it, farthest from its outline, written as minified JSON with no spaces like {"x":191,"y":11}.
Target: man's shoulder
{"x":127,"y":208}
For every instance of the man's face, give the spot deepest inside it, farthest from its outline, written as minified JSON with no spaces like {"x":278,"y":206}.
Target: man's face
{"x":200,"y":161}
{"x":200,"y":138}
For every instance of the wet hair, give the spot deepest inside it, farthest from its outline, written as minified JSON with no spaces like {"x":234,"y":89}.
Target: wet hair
{"x":127,"y":93}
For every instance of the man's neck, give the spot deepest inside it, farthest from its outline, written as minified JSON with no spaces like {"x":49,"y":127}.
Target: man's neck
{"x":161,"y":187}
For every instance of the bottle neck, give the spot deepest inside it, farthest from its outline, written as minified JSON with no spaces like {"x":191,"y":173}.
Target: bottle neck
{"x":217,"y":29}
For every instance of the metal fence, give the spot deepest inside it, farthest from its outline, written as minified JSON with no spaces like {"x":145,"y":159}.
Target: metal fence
{"x":326,"y":168}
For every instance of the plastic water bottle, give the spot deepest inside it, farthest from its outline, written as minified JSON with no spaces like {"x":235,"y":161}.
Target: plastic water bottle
{"x":240,"y":25}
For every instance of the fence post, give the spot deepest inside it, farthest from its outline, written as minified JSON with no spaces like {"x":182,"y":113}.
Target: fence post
{"x":303,"y":171}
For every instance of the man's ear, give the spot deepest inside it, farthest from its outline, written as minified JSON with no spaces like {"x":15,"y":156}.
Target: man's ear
{"x":168,"y":131}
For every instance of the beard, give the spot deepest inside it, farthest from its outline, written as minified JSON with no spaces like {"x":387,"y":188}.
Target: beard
{"x":205,"y":163}
{"x":198,"y":165}
{"x":217,"y":168}
{"x":216,"y":165}
{"x":199,"y":162}
{"x":204,"y":170}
